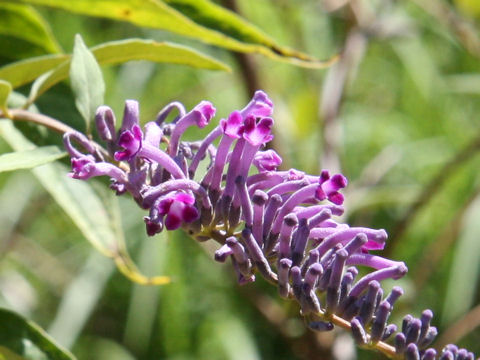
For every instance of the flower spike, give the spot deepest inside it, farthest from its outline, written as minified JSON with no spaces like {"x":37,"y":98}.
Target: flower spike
{"x":279,"y":224}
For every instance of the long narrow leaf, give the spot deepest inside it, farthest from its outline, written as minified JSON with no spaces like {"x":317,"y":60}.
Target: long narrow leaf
{"x":97,"y":217}
{"x":76,"y":198}
{"x":22,"y":72}
{"x":117,"y":52}
{"x":465,"y":271}
{"x":29,"y":159}
{"x":22,"y":22}
{"x":234,"y":33}
{"x":23,"y":339}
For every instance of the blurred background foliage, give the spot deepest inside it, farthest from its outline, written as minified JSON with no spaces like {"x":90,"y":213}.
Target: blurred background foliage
{"x":397,"y":114}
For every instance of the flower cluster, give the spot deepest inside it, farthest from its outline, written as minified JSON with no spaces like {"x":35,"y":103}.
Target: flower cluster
{"x":274,"y":223}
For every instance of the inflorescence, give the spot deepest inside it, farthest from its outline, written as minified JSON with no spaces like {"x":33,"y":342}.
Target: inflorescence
{"x":270,"y":222}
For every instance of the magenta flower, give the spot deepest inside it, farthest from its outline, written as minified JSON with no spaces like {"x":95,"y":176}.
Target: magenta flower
{"x":85,"y":167}
{"x":330,"y":186}
{"x":259,"y":106}
{"x":203,"y":113}
{"x":258,"y":133}
{"x":233,"y":125}
{"x":267,"y":160}
{"x":131,"y":142}
{"x":178,"y":208}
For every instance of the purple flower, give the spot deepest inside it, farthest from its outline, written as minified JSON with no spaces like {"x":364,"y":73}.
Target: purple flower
{"x":200,"y":116}
{"x":204,"y":112}
{"x":259,"y":106}
{"x":267,"y":160}
{"x":131,"y":142}
{"x":85,"y":167}
{"x":258,"y":133}
{"x":233,"y":126}
{"x":178,"y":208}
{"x":153,"y":134}
{"x":153,"y":226}
{"x":131,"y":115}
{"x":105,"y":122}
{"x":330,"y":186}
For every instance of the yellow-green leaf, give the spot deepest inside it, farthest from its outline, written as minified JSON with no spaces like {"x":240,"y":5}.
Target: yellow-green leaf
{"x":116,"y":52}
{"x":217,"y":18}
{"x":234,"y":33}
{"x":28,"y":159}
{"x":5,"y":90}
{"x":23,"y":23}
{"x":22,"y":72}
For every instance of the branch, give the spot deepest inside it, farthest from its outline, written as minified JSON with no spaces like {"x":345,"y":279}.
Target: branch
{"x":48,"y":122}
{"x":40,"y":119}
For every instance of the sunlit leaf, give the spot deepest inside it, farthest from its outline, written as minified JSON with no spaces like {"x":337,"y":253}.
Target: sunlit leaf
{"x":22,"y":72}
{"x":23,"y":23}
{"x":28,"y":159}
{"x":180,"y":17}
{"x":117,"y":52}
{"x":5,"y":90}
{"x":86,"y":81}
{"x":469,"y":7}
{"x":253,"y":39}
{"x":23,"y":339}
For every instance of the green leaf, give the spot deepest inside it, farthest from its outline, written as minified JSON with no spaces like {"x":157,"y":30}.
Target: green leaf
{"x":86,"y":81}
{"x":23,"y":339}
{"x":217,"y":18}
{"x":465,"y":270}
{"x":5,"y":90}
{"x":238,"y":34}
{"x":29,"y":159}
{"x":96,"y":216}
{"x":22,"y":72}
{"x":77,"y":198}
{"x":117,"y":52}
{"x":23,"y":23}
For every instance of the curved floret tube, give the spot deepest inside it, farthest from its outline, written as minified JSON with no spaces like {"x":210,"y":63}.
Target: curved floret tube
{"x":279,"y":224}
